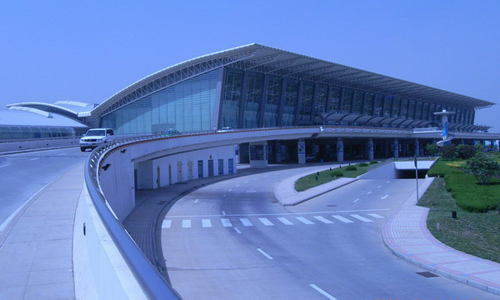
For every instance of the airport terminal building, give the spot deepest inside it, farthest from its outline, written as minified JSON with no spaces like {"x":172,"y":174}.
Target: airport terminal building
{"x":256,"y":86}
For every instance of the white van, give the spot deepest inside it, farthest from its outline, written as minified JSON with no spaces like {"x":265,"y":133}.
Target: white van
{"x":95,"y":137}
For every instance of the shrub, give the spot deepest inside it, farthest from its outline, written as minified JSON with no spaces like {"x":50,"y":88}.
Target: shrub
{"x":449,"y":151}
{"x":351,"y":168}
{"x":373,"y":162}
{"x":466,"y":151}
{"x":432,"y":149}
{"x":483,"y":167}
{"x":336,"y":174}
{"x":363,"y":164}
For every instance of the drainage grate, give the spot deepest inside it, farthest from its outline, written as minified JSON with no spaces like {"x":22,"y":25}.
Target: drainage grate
{"x":427,"y":274}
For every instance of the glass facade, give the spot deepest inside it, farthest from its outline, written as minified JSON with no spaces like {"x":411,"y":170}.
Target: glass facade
{"x":36,"y":132}
{"x":186,"y":106}
{"x":250,"y":99}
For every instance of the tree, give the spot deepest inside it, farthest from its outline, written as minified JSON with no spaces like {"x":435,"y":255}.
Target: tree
{"x":483,"y":167}
{"x":466,"y":151}
{"x":432,"y":149}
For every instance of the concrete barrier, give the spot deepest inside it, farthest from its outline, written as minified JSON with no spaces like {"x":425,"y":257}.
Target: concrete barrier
{"x":38,"y":144}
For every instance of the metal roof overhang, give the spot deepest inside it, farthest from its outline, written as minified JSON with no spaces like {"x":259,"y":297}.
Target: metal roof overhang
{"x":272,"y":61}
{"x":51,"y":108}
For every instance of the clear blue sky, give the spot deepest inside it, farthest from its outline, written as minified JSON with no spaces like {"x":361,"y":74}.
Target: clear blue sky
{"x":88,"y":50}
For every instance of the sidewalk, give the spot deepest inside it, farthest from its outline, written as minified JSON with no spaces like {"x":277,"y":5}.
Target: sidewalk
{"x":36,"y":247}
{"x":406,"y":235}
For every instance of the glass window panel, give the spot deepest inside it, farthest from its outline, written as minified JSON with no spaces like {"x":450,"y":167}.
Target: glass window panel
{"x":387,"y":106}
{"x":306,"y":101}
{"x":251,"y":115}
{"x":320,"y":98}
{"x":335,"y":94}
{"x":404,"y":108}
{"x":347,"y":100}
{"x":368,"y":106}
{"x":271,"y":109}
{"x":358,"y":102}
{"x":379,"y":101}
{"x":425,"y":111}
{"x":396,"y":105}
{"x":418,"y":111}
{"x":291,"y":96}
{"x":411,"y":109}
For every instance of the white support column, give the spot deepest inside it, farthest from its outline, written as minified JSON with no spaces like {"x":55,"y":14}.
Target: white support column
{"x":369,"y":147}
{"x":395,"y":148}
{"x":301,"y":151}
{"x":340,"y":149}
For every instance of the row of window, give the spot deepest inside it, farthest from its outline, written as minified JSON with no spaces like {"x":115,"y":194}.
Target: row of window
{"x":253,"y":100}
{"x":29,"y":132}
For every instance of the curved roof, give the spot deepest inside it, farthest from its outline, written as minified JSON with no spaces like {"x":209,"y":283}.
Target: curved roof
{"x":56,"y":108}
{"x":255,"y":57}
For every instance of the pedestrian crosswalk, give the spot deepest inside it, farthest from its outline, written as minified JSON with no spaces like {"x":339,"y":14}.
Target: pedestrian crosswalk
{"x":266,"y":221}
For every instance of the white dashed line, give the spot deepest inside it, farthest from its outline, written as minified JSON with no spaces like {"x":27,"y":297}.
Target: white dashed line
{"x":223,"y":213}
{"x":285,"y":221}
{"x":322,"y":219}
{"x":264,"y":253}
{"x":361,"y":218}
{"x":230,"y":189}
{"x":369,"y":193}
{"x":376,"y":216}
{"x":379,"y":186}
{"x":237,"y":230}
{"x":322,"y":292}
{"x":266,"y":221}
{"x":226,"y":223}
{"x":186,"y":223}
{"x":206,"y":223}
{"x":166,"y":224}
{"x":388,"y":181}
{"x":5,"y":166}
{"x":246,"y":222}
{"x":35,"y":158}
{"x":304,"y":220}
{"x":356,"y":200}
{"x":342,"y":219}
{"x":384,"y":197}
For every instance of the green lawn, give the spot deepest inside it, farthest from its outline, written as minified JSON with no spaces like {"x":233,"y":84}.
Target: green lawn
{"x":474,"y":233}
{"x":314,"y":179}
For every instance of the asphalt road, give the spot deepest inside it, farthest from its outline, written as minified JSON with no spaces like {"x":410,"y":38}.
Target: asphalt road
{"x":22,"y":175}
{"x":231,"y":240}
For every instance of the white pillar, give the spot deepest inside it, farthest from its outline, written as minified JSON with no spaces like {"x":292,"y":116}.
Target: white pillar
{"x":369,"y":147}
{"x":340,"y":150}
{"x":302,"y":151}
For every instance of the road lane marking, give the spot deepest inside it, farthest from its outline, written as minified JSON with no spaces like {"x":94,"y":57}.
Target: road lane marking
{"x":35,"y":158}
{"x":356,"y":200}
{"x":206,"y":223}
{"x":266,"y":221}
{"x":387,"y":181}
{"x":322,"y":292}
{"x":246,"y":222}
{"x":62,"y":153}
{"x":384,"y":197}
{"x":369,"y":193}
{"x":285,"y":221}
{"x":304,"y":220}
{"x":4,"y":165}
{"x":166,"y":224}
{"x":342,"y":219}
{"x":237,"y":185}
{"x":230,"y":189}
{"x":237,"y":230}
{"x":186,"y":223}
{"x":284,"y":214}
{"x":322,"y":219}
{"x":361,"y":218}
{"x":379,"y":186}
{"x":264,"y":253}
{"x":223,"y":213}
{"x":376,"y":216}
{"x":226,"y":223}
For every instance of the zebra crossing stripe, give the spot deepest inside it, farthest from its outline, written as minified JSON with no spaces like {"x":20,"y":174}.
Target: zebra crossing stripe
{"x":285,"y":221}
{"x":342,"y":219}
{"x":226,"y":223}
{"x":246,"y":222}
{"x":166,"y":224}
{"x":186,"y":223}
{"x":322,"y":219}
{"x":266,"y":221}
{"x":304,"y":220}
{"x":361,"y":218}
{"x":206,"y":223}
{"x":376,"y":216}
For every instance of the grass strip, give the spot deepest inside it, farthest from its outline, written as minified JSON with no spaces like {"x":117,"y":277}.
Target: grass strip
{"x":315,"y":179}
